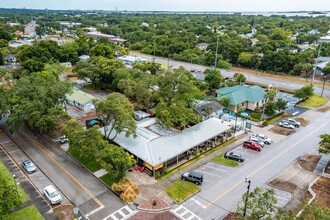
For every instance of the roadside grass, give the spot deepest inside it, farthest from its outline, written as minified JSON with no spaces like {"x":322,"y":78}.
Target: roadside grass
{"x":313,"y":101}
{"x":324,"y":109}
{"x":180,"y":190}
{"x":107,"y":179}
{"x":89,"y":162}
{"x":5,"y":174}
{"x":27,"y":213}
{"x":164,"y":66}
{"x":181,"y":167}
{"x":221,"y":160}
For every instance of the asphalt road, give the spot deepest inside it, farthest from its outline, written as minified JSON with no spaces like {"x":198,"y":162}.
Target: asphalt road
{"x":79,"y":186}
{"x":228,"y":73}
{"x":222,"y":196}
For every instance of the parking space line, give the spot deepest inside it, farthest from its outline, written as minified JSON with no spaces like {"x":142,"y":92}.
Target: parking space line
{"x":251,"y":155}
{"x":207,"y":180}
{"x":5,"y":142}
{"x":208,"y":173}
{"x":226,"y":171}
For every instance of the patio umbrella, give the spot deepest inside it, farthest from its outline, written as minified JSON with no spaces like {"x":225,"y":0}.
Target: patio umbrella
{"x":244,"y":114}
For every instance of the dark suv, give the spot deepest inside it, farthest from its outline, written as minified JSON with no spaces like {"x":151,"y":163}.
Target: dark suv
{"x":194,"y":177}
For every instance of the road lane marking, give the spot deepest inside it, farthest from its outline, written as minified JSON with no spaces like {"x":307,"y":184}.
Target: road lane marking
{"x":262,"y":167}
{"x":5,"y":142}
{"x":62,"y":168}
{"x":95,"y":210}
{"x":198,"y":202}
{"x":226,"y":171}
{"x":208,"y":173}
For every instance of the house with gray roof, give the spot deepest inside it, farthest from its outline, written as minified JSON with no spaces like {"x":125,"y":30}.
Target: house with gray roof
{"x":154,"y":150}
{"x":243,"y":97}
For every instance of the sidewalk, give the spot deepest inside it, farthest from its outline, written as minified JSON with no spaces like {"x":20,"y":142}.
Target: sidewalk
{"x":35,"y":197}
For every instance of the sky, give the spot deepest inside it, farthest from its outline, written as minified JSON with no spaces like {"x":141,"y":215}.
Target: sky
{"x":173,"y":5}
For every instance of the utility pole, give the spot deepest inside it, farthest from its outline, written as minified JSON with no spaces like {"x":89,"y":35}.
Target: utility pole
{"x":216,"y":54}
{"x":247,"y":195}
{"x":318,"y":54}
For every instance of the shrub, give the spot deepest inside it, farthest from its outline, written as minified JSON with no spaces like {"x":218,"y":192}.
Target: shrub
{"x":128,"y":189}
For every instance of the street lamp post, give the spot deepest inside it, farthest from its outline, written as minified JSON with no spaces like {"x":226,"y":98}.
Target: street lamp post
{"x":247,"y":195}
{"x":16,"y":183}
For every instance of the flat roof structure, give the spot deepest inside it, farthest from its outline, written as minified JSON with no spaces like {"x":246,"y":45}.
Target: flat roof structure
{"x":155,"y":149}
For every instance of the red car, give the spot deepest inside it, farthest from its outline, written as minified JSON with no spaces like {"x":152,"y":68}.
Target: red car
{"x":252,"y":145}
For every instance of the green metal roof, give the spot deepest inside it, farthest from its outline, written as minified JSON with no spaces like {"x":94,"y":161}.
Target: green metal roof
{"x":80,"y":96}
{"x":239,"y":94}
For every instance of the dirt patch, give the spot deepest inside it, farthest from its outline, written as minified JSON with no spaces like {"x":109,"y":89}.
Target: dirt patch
{"x":324,"y":109}
{"x":154,"y":216}
{"x":64,"y":212}
{"x":282,"y":131}
{"x":284,"y":185}
{"x":322,"y":190}
{"x":309,"y":162}
{"x":231,"y":216}
{"x":303,"y":122}
{"x":154,"y":204}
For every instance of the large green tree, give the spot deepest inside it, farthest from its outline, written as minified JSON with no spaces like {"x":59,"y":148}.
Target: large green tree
{"x":37,"y":100}
{"x":213,"y":78}
{"x":326,"y":74}
{"x":9,"y":197}
{"x":260,"y":204}
{"x":115,"y":160}
{"x":116,"y":112}
{"x":304,"y":92}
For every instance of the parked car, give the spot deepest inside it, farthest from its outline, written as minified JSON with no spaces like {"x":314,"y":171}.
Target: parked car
{"x":286,"y":125}
{"x":234,"y":156}
{"x":28,"y":166}
{"x":264,"y":138}
{"x":252,"y":145}
{"x":53,"y":196}
{"x":193,"y":176}
{"x":291,"y":121}
{"x":63,"y":139}
{"x":257,"y":140}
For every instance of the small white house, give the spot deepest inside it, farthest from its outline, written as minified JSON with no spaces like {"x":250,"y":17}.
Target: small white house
{"x":81,"y":100}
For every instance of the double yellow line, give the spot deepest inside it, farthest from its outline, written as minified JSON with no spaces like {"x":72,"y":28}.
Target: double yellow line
{"x":62,"y":168}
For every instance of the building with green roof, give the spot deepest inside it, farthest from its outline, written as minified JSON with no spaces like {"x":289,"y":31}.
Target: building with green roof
{"x":81,"y":100}
{"x":243,"y":97}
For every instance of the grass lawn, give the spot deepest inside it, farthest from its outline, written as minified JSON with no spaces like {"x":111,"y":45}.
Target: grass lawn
{"x":181,"y":167}
{"x":89,"y":162}
{"x":107,"y":179}
{"x":313,"y":101}
{"x":8,"y":176}
{"x":91,"y":85}
{"x":220,"y":159}
{"x":163,"y":66}
{"x":180,"y":190}
{"x":28,"y":213}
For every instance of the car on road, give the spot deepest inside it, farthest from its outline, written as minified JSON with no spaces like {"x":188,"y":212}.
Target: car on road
{"x":286,"y":125}
{"x":252,"y":145}
{"x":193,"y":176}
{"x":63,"y":139}
{"x":264,"y":138}
{"x":53,"y":196}
{"x":291,"y":121}
{"x":234,"y":156}
{"x":29,"y":166}
{"x":257,"y":140}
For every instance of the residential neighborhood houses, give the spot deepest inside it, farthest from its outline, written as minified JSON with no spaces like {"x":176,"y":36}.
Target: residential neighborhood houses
{"x":163,"y":115}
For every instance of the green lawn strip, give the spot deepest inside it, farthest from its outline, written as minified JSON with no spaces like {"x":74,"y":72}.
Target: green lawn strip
{"x":8,"y":176}
{"x":27,"y":213}
{"x":181,"y":167}
{"x":220,"y":159}
{"x":107,"y":179}
{"x":313,"y":101}
{"x":89,"y":162}
{"x":99,"y":85}
{"x":180,"y":190}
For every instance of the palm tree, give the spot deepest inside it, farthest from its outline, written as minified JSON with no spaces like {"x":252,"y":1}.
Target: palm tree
{"x":324,"y":145}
